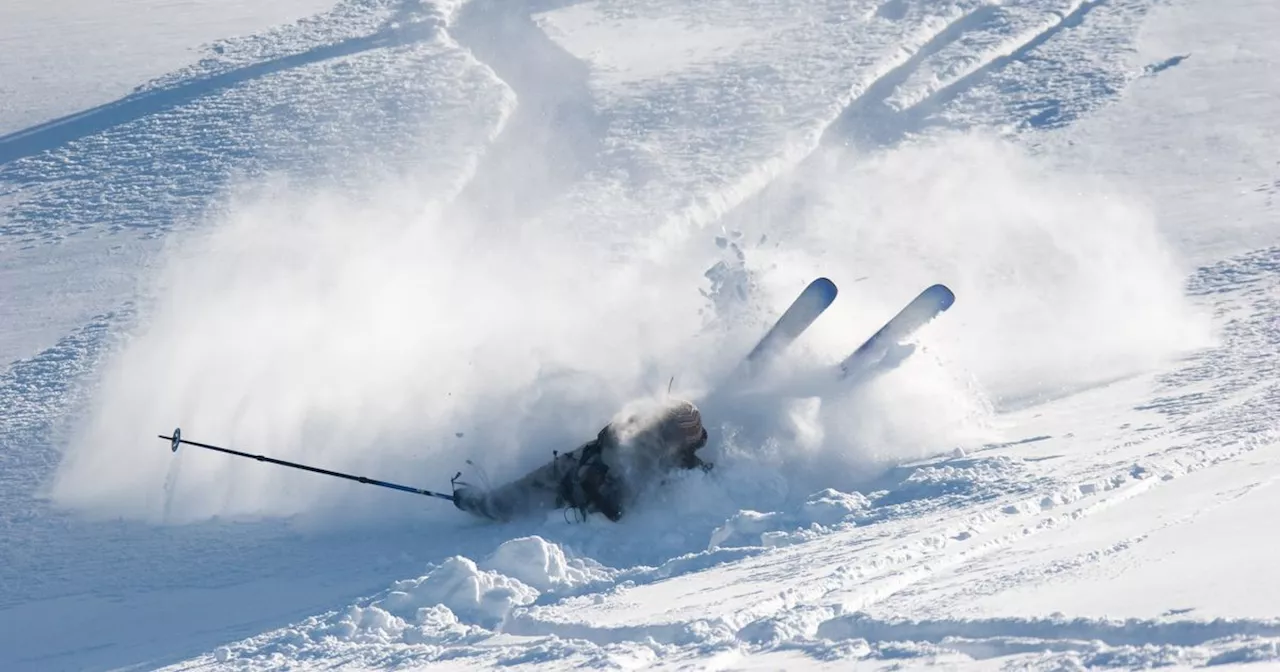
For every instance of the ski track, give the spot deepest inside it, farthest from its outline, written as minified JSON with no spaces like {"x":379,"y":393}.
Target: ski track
{"x":867,"y":115}
{"x":59,"y":132}
{"x":869,"y":122}
{"x":555,"y":134}
{"x":1071,"y":78}
{"x":308,"y":108}
{"x":764,"y":187}
{"x":992,"y":638}
{"x":916,"y":116}
{"x":33,"y":392}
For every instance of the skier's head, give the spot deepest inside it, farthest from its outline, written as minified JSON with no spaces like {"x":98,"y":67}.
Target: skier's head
{"x":661,"y":425}
{"x":681,"y":425}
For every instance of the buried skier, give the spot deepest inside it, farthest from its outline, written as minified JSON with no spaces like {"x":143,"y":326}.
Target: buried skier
{"x":604,"y":475}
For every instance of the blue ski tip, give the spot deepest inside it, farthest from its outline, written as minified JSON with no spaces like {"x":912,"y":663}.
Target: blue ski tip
{"x":930,"y":303}
{"x":940,"y":295}
{"x":824,"y":288}
{"x":177,"y":439}
{"x":806,"y":308}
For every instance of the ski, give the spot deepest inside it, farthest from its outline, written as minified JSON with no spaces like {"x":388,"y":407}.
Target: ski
{"x":888,"y":347}
{"x":811,"y":303}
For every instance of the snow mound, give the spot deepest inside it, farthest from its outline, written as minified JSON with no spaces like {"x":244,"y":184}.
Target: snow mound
{"x":543,"y":565}
{"x":453,"y":606}
{"x":472,"y":595}
{"x":403,"y":622}
{"x":375,"y":625}
{"x":830,"y":507}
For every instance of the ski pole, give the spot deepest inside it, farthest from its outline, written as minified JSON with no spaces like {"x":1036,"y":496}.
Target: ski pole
{"x":177,"y":440}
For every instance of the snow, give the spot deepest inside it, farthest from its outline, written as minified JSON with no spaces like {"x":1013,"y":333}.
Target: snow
{"x":1206,"y":511}
{"x":1195,"y":134}
{"x":392,"y":237}
{"x":626,"y":51}
{"x":64,"y":56}
{"x":543,"y":565}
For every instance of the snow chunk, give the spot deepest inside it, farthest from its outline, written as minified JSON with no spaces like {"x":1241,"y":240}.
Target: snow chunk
{"x":374,"y":625}
{"x":1248,"y":651}
{"x":541,"y":564}
{"x":366,"y":625}
{"x":472,"y":594}
{"x":745,"y":528}
{"x":455,"y":601}
{"x":830,"y":507}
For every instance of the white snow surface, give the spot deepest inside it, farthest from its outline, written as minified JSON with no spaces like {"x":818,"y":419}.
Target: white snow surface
{"x":63,"y":56}
{"x":406,"y":238}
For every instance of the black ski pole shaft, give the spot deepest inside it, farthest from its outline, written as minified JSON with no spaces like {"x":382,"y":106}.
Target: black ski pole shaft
{"x":176,"y":440}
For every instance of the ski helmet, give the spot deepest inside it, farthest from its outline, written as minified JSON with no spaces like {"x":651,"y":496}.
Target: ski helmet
{"x":683,"y":424}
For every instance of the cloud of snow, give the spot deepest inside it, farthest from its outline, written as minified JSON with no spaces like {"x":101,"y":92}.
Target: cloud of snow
{"x":393,"y":338}
{"x":1062,"y":282}
{"x":1061,"y":279}
{"x":379,"y":337}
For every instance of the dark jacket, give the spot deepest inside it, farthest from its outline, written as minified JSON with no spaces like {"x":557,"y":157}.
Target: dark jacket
{"x":605,"y":474}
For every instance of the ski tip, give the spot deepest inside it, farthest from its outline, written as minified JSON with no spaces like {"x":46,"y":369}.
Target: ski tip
{"x":942,"y":296}
{"x":177,"y":439}
{"x":825,"y":286}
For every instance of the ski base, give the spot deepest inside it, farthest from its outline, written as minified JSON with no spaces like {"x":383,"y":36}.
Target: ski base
{"x":802,"y":312}
{"x":888,"y":347}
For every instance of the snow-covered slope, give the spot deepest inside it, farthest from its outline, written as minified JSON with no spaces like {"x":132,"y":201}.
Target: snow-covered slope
{"x":63,"y":57}
{"x":398,"y":235}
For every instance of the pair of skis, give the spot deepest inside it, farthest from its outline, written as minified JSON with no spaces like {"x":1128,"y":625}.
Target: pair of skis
{"x":886,"y":348}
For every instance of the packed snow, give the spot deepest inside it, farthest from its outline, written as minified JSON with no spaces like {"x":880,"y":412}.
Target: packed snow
{"x":408,"y":238}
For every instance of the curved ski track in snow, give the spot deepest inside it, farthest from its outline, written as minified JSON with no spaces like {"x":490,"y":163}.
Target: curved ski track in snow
{"x":552,"y":138}
{"x":937,"y":70}
{"x":306,"y":103}
{"x":58,"y":132}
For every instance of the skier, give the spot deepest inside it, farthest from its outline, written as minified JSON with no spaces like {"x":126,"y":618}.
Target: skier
{"x":646,"y":443}
{"x":605,"y":475}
